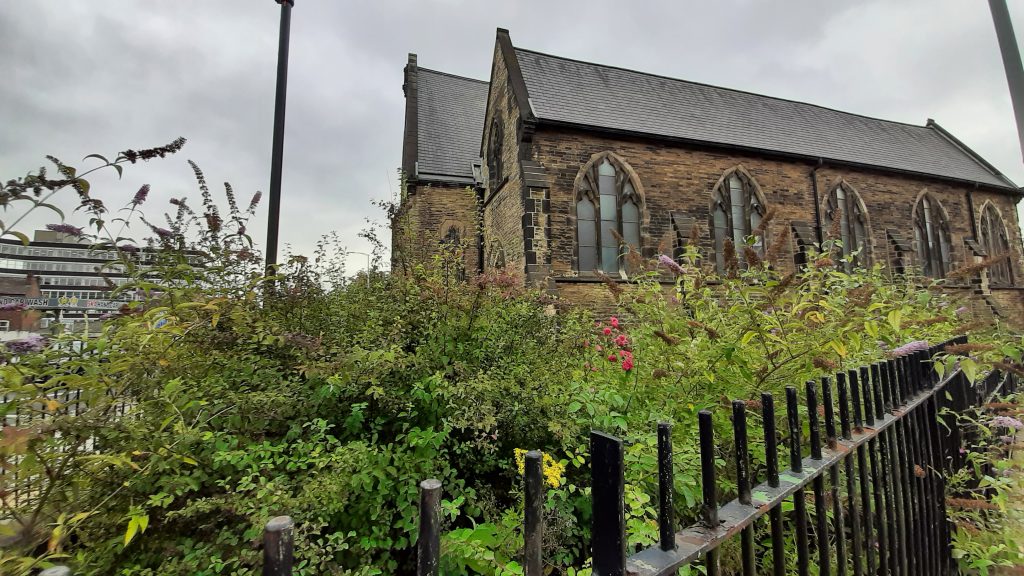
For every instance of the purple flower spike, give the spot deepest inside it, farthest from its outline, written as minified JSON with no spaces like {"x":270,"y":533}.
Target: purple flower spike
{"x":910,"y":348}
{"x":29,"y":345}
{"x":162,"y":232}
{"x":1008,"y":422}
{"x":67,"y":229}
{"x":141,"y":195}
{"x":672,"y":265}
{"x":12,"y":307}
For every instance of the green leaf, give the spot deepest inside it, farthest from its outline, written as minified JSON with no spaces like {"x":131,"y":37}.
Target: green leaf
{"x":83,"y":184}
{"x":119,"y":168}
{"x":133,"y":528}
{"x":101,"y":157}
{"x":52,"y":207}
{"x":970,"y":368}
{"x":21,"y":236}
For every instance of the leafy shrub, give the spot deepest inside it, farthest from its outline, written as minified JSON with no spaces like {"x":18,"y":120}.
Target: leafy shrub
{"x":225,"y":397}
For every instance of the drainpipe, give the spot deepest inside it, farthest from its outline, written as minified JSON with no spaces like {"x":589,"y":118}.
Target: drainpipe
{"x":817,"y":202}
{"x":480,"y":230}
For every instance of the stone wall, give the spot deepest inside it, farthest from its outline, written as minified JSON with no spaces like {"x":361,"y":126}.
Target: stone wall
{"x":504,"y":203}
{"x":681,"y":179}
{"x":424,"y":221}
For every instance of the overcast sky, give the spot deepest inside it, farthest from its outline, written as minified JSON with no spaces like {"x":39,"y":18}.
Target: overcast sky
{"x":84,"y":76}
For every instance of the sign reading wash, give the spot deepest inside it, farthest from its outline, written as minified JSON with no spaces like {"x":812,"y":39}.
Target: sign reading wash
{"x":62,"y":302}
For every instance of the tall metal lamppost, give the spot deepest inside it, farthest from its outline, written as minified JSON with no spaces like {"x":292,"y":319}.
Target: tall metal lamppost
{"x":1011,"y":61}
{"x":277,"y":155}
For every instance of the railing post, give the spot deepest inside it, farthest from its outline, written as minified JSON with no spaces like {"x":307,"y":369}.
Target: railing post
{"x":533,"y":480}
{"x":428,"y":546}
{"x":818,"y":484}
{"x":739,"y":426}
{"x":666,"y":485}
{"x":796,"y":463}
{"x":607,"y":480}
{"x":709,"y":485}
{"x":771,"y":460}
{"x":278,"y":543}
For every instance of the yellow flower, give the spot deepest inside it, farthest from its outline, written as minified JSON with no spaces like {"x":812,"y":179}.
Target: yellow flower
{"x":553,"y":470}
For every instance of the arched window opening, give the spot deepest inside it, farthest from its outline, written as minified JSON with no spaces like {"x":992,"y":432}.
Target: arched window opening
{"x":494,"y":152}
{"x":451,"y":251}
{"x":933,"y":238}
{"x":608,"y":219}
{"x":845,"y":204}
{"x":736,"y":211}
{"x":996,"y":242}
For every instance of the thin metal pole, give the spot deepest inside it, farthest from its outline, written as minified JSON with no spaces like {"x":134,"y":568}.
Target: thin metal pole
{"x":607,"y":481}
{"x":533,"y":479}
{"x":428,"y":544}
{"x":666,"y":484}
{"x":771,"y":459}
{"x":1011,"y":62}
{"x":277,"y":155}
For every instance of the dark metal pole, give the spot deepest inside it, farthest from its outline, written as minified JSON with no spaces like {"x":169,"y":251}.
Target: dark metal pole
{"x":278,"y":544}
{"x":277,"y":155}
{"x":1011,"y":61}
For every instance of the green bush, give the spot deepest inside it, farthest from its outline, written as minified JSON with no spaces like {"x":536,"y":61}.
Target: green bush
{"x":326,"y":400}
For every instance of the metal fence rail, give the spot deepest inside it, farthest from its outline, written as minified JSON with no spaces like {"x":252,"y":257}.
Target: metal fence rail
{"x":890,"y":514}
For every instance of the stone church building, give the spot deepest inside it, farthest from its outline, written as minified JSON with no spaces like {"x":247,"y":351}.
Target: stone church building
{"x":552,"y":165}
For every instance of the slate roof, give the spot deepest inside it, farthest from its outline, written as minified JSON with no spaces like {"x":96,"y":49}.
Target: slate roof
{"x":451,"y":113}
{"x":580,"y":93}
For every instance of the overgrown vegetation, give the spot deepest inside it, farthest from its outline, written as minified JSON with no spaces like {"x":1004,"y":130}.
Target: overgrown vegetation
{"x":328,"y":400}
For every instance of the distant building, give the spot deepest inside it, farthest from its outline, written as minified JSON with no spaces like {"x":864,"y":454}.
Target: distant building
{"x":554,"y":167}
{"x":57,"y":279}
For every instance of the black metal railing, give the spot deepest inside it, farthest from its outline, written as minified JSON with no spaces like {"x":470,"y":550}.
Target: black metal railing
{"x":887,"y":517}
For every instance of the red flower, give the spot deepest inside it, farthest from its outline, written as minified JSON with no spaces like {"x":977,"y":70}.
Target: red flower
{"x":621,"y":340}
{"x":627,"y":364}
{"x":615,"y":321}
{"x":607,"y":331}
{"x":611,"y":357}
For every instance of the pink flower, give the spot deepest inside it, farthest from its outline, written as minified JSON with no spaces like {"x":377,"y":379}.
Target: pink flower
{"x":607,"y":331}
{"x":614,"y":322}
{"x":621,"y":340}
{"x":611,"y":357}
{"x":599,"y":348}
{"x":627,"y":364}
{"x":586,"y":343}
{"x":671,"y":264}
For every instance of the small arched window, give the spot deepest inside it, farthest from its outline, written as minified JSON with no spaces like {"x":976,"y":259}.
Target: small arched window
{"x":451,"y":248}
{"x":736,"y":211}
{"x":494,"y":155}
{"x":997,"y":243}
{"x":608,"y":211}
{"x":933,"y":238}
{"x":845,"y":205}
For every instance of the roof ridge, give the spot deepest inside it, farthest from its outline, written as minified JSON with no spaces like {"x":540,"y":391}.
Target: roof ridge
{"x":422,"y":69}
{"x":737,"y":90}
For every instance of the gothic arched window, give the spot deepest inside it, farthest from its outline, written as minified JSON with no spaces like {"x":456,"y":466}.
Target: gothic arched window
{"x":996,"y":242}
{"x":608,"y":211}
{"x":845,"y":204}
{"x":494,"y":152}
{"x":736,"y":211}
{"x":452,"y":253}
{"x":934,"y":241}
